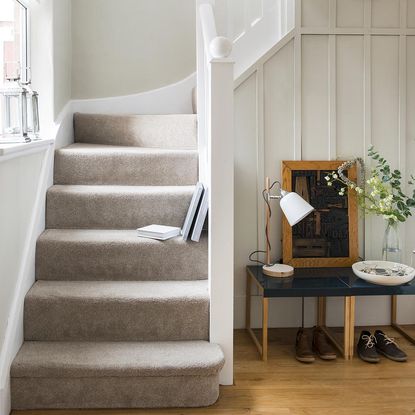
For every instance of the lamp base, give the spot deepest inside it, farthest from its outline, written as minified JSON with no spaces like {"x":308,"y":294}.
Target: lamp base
{"x":278,"y":270}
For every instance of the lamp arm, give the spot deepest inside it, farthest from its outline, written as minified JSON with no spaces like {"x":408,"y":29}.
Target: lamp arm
{"x":267,"y":191}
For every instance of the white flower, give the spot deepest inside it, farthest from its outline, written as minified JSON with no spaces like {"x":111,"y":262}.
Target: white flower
{"x":329,"y":183}
{"x":335,"y":175}
{"x":352,"y":186}
{"x":359,"y":190}
{"x":327,"y":178}
{"x":391,"y":217}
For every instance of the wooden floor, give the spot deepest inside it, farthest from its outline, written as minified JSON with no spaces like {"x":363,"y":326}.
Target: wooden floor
{"x":284,"y":386}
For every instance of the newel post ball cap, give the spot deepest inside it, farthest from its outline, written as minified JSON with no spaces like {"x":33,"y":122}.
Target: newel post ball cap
{"x":220,"y":47}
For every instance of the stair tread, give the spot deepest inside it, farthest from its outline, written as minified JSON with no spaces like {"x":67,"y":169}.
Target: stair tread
{"x":116,"y":207}
{"x":117,"y":311}
{"x":115,"y":359}
{"x":165,"y":130}
{"x":99,"y":164}
{"x":120,"y":189}
{"x":112,"y":254}
{"x":118,"y":291}
{"x":110,"y":236}
{"x":104,"y":149}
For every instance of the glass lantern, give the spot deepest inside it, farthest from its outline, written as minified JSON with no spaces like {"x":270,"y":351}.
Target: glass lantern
{"x":20,"y":112}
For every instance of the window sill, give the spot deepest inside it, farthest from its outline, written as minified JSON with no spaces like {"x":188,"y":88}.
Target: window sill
{"x":12,"y":150}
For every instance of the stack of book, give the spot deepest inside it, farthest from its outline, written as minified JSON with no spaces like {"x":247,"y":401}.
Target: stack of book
{"x":193,"y":224}
{"x":160,"y":232}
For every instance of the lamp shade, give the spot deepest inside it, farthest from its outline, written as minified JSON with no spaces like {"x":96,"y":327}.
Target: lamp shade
{"x":295,"y":208}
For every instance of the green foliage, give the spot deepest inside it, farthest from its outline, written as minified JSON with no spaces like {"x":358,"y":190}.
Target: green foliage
{"x":382,"y":194}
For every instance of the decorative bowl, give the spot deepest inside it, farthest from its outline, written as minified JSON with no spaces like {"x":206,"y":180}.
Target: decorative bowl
{"x":384,"y":272}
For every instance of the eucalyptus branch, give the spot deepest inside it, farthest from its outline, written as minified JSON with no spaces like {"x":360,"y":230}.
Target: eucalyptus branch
{"x":381,"y":193}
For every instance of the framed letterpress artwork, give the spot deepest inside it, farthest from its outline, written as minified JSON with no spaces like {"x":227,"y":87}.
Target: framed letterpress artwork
{"x":328,"y":237}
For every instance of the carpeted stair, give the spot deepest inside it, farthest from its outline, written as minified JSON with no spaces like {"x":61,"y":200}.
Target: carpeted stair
{"x":114,"y":320}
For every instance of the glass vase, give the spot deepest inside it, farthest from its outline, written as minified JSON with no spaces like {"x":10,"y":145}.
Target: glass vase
{"x":391,"y":250}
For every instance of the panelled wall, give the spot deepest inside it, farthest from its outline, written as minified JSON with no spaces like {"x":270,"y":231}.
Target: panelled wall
{"x":343,"y":79}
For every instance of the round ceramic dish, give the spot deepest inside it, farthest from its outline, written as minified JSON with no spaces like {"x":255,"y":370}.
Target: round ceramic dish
{"x":384,"y":272}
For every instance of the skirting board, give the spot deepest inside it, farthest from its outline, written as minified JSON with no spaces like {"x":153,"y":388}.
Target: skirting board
{"x":170,"y":99}
{"x":5,"y":405}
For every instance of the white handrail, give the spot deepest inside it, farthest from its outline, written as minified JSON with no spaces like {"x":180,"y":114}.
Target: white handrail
{"x":216,"y":47}
{"x":207,"y":21}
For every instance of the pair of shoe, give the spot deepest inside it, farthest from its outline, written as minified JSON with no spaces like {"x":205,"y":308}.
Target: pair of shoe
{"x":371,"y":346}
{"x":305,"y":350}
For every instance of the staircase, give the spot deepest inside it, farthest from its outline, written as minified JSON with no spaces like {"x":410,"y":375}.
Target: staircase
{"x":114,"y":320}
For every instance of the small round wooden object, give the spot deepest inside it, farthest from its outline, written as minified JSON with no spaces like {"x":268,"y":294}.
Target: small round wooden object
{"x":278,"y":270}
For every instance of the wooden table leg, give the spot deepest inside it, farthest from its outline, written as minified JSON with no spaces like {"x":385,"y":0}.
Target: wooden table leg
{"x":264,"y":328}
{"x":321,"y":311}
{"x":394,"y":308}
{"x":262,"y":346}
{"x":248,"y":301}
{"x":351,"y":326}
{"x":394,"y":320}
{"x":349,"y":312}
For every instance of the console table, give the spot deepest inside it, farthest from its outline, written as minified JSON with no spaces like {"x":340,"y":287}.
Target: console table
{"x":320,"y":283}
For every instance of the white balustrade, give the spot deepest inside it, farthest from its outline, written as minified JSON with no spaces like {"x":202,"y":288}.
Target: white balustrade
{"x":215,"y":135}
{"x":253,"y":27}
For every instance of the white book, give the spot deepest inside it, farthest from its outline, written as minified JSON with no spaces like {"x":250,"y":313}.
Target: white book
{"x":160,"y":232}
{"x":191,"y":213}
{"x":201,"y":217}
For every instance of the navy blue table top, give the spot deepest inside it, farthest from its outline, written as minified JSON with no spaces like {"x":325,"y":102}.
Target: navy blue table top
{"x":324,"y":282}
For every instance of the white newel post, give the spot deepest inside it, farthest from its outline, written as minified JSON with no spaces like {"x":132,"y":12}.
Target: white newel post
{"x":221,"y":210}
{"x":215,"y":85}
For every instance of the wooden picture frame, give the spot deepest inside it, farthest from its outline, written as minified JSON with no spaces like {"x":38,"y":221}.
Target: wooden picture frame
{"x":326,"y":250}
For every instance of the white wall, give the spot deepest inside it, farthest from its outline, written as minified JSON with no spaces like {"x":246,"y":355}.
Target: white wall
{"x":129,"y":46}
{"x":51,"y":48}
{"x":25,"y":178}
{"x":18,"y":184}
{"x":23,"y":185}
{"x":344,"y":79}
{"x":62,"y":54}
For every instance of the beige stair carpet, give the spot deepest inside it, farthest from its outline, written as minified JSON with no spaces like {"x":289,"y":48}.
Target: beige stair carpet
{"x":117,"y":311}
{"x":116,"y":207}
{"x":147,"y":131}
{"x":114,"y":320}
{"x":115,"y":374}
{"x":119,"y":255}
{"x":120,"y":165}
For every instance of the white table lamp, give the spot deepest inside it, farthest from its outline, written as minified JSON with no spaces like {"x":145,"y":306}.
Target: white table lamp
{"x":295,"y":209}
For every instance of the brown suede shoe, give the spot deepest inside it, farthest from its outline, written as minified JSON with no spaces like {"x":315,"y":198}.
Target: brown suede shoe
{"x":303,"y":352}
{"x":321,"y":346}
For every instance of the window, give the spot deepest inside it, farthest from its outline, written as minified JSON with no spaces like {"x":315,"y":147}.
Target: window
{"x":14,"y":45}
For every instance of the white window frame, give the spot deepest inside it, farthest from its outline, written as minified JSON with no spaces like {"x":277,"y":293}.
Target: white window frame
{"x":25,"y":73}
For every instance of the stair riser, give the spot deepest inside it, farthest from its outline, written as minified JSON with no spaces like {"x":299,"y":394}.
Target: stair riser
{"x":134,"y":170}
{"x":100,"y":319}
{"x":152,"y":131}
{"x":115,"y":210}
{"x":120,"y":260}
{"x":114,"y":392}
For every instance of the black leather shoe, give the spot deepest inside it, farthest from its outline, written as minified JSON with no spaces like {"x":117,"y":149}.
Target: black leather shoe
{"x":388,"y":347}
{"x":366,"y":347}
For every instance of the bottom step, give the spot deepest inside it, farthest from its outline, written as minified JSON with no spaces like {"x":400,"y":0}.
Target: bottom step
{"x":48,"y":375}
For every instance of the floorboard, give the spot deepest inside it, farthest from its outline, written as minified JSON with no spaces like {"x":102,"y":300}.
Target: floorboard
{"x":283,"y":386}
